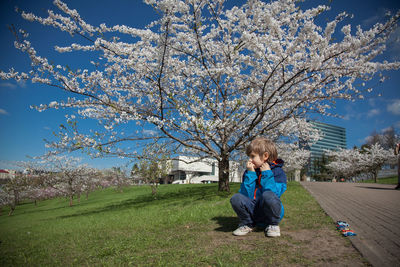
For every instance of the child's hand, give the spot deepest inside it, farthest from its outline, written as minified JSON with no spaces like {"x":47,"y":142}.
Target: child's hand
{"x":250,"y":166}
{"x":265,"y":166}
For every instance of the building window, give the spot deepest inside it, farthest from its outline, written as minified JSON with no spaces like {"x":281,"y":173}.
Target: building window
{"x":333,"y":138}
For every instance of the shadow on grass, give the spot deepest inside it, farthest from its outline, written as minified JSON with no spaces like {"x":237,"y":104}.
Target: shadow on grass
{"x":227,"y":224}
{"x":183,"y":196}
{"x":43,"y":207}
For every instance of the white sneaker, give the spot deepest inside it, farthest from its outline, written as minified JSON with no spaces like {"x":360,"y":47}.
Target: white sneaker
{"x":242,"y":230}
{"x":273,"y":231}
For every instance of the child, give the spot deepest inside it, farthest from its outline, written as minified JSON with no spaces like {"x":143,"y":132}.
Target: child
{"x":258,"y":201}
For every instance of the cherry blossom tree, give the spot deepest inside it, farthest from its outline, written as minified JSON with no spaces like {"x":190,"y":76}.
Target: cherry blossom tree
{"x":345,"y":163}
{"x":352,"y":162}
{"x":206,"y":78}
{"x":375,"y":157}
{"x":117,"y":177}
{"x":154,"y":164}
{"x":295,"y":158}
{"x":42,"y":193}
{"x":15,"y":190}
{"x":91,"y":181}
{"x":7,"y":198}
{"x":66,"y":175}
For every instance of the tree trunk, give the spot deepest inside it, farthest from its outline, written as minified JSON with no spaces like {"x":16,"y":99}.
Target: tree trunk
{"x":223,"y":174}
{"x":12,"y":208}
{"x":71,"y":199}
{"x":375,"y":173}
{"x":16,"y":197}
{"x":154,"y":190}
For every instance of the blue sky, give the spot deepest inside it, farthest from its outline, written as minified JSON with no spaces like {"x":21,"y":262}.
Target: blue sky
{"x":22,"y":129}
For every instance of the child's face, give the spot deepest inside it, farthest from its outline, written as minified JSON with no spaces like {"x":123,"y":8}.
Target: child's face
{"x":257,"y":160}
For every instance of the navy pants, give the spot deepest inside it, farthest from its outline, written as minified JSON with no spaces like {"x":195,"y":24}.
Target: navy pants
{"x":265,"y":211}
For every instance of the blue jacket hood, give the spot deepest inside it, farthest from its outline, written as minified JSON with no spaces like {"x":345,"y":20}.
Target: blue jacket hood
{"x":277,"y":163}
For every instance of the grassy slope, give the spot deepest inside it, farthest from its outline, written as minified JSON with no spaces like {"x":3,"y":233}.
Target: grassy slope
{"x":188,"y":225}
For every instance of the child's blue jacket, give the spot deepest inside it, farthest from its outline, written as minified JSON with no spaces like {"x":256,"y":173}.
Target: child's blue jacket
{"x":256,"y":183}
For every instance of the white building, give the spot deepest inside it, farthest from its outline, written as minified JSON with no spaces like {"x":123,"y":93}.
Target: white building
{"x":7,"y":174}
{"x":185,"y":170}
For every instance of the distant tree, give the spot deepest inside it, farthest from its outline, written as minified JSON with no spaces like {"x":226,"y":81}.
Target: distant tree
{"x":5,"y":200}
{"x":66,"y":175}
{"x":134,"y":170}
{"x":136,"y":175}
{"x":390,"y":138}
{"x":119,"y":178}
{"x":89,"y":181}
{"x":352,"y":162}
{"x":153,"y":165}
{"x":375,"y":157}
{"x":15,"y":190}
{"x":387,"y":139}
{"x":322,"y":172}
{"x":373,"y":138}
{"x":344,"y":163}
{"x":207,"y":78}
{"x":295,"y":158}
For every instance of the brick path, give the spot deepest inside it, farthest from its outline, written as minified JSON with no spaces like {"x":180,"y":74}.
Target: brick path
{"x":373,"y":212}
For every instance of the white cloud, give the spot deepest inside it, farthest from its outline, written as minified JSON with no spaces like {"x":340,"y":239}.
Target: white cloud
{"x":372,"y":102}
{"x":149,"y":132}
{"x":8,"y":85}
{"x":22,"y":84}
{"x":394,"y":107}
{"x":350,"y":113}
{"x":384,"y":130}
{"x":3,"y":112}
{"x":373,"y":112}
{"x":370,"y":21}
{"x":379,"y":16}
{"x":366,"y":139}
{"x":347,"y":117}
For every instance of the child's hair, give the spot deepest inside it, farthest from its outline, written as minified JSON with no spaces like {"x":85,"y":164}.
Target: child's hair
{"x":261,"y":145}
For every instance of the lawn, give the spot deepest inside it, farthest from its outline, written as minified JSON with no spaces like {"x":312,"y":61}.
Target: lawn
{"x":187,"y":225}
{"x":389,"y":180}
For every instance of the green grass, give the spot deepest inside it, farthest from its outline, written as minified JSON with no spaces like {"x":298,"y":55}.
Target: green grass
{"x":187,"y":225}
{"x":389,"y":180}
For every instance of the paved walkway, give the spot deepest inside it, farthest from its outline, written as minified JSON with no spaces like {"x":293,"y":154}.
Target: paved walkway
{"x":373,"y":212}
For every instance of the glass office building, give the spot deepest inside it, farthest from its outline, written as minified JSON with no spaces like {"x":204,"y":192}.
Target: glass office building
{"x":333,"y":138}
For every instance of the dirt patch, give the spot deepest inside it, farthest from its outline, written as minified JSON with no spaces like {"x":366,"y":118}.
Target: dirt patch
{"x":306,"y":247}
{"x":326,"y":246}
